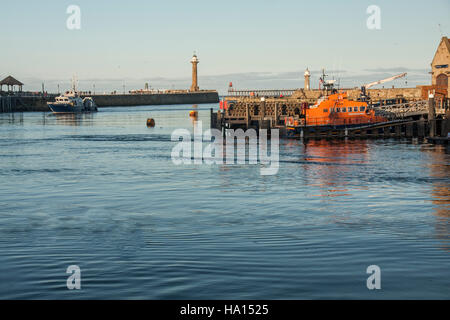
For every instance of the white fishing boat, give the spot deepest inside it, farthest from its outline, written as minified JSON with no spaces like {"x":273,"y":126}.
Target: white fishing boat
{"x":71,"y":102}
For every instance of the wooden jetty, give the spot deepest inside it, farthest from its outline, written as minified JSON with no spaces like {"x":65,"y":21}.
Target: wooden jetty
{"x":419,"y":119}
{"x":439,"y":140}
{"x":24,"y":103}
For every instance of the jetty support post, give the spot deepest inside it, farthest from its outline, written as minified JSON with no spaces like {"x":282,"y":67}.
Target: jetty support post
{"x":218,"y":119}
{"x":431,"y":115}
{"x":446,"y":125}
{"x":262,"y":113}
{"x":212,"y":118}
{"x":398,"y":130}
{"x":247,"y":115}
{"x":409,"y":130}
{"x":421,"y":128}
{"x":263,"y":108}
{"x":276,"y":115}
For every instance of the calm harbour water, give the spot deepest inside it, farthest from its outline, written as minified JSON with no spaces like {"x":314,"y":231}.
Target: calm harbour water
{"x":100,"y":191}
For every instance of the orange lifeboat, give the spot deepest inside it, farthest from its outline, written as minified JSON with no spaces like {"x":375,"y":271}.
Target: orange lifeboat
{"x":336,"y":110}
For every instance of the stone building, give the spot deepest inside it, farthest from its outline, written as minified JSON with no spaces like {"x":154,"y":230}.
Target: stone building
{"x":440,"y":66}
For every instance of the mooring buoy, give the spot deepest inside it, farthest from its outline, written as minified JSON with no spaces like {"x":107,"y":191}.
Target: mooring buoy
{"x":150,"y":122}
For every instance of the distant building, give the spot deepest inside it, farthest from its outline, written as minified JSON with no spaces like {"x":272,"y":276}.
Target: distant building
{"x":440,"y":66}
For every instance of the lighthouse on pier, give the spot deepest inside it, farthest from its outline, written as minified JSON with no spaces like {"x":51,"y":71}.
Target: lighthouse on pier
{"x":307,"y":76}
{"x":194,"y":61}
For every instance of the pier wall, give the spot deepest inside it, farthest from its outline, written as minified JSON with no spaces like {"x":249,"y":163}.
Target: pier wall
{"x":311,"y":96}
{"x":409,"y":94}
{"x":39,"y":103}
{"x":23,"y":104}
{"x":116,"y":100}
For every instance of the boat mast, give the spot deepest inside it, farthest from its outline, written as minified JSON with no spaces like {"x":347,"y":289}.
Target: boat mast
{"x":327,"y":85}
{"x":74,"y":83}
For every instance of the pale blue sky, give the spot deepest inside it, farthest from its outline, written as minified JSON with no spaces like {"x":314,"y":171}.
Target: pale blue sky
{"x":252,"y":43}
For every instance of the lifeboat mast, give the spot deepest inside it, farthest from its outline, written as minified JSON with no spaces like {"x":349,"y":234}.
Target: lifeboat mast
{"x":328,"y":85}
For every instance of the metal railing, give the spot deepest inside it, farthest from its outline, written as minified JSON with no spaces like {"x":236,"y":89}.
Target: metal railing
{"x":413,"y":108}
{"x":261,"y":92}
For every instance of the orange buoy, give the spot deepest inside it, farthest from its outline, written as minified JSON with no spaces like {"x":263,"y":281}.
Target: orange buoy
{"x":193,"y":114}
{"x":150,"y":122}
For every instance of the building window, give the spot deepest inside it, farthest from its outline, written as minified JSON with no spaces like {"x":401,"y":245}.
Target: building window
{"x":325,"y":110}
{"x":344,"y":109}
{"x":442,"y":81}
{"x":362,"y":108}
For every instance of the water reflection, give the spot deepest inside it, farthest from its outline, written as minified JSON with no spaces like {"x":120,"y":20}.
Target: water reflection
{"x":11,"y":118}
{"x":329,"y":164}
{"x":167,"y":231}
{"x":439,"y":170}
{"x":193,"y":114}
{"x":74,"y":119}
{"x":336,"y":151}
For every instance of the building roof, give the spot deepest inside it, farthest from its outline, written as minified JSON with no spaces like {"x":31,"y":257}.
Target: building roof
{"x":447,"y":42}
{"x":444,"y":41}
{"x":10,"y":81}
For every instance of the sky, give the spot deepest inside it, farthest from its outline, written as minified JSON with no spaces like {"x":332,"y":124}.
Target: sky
{"x":254,"y":44}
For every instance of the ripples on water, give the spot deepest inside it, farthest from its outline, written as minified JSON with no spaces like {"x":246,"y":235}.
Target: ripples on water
{"x":100,"y":191}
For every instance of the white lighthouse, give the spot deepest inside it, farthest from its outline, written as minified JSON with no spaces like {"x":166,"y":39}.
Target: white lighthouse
{"x":194,"y":61}
{"x":307,"y":76}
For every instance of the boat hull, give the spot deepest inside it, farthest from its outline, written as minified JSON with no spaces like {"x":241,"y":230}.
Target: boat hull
{"x":64,"y":108}
{"x":296,"y":130}
{"x":67,"y":108}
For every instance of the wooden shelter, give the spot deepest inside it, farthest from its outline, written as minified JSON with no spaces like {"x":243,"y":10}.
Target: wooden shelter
{"x":10,"y":82}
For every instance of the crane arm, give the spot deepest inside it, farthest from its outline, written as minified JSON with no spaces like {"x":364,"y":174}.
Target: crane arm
{"x":401,"y":75}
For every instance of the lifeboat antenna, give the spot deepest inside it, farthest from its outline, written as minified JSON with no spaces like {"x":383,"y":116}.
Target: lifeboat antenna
{"x":322,"y":78}
{"x":327,"y":84}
